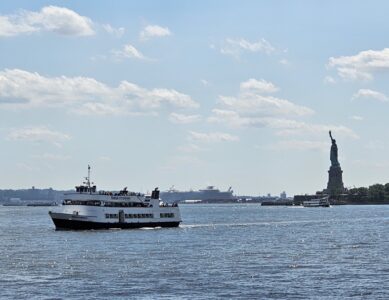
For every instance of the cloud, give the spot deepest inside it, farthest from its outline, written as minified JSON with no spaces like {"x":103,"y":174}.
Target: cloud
{"x":51,"y":156}
{"x":184,"y":119}
{"x":37,"y":134}
{"x":252,"y":108}
{"x":118,"y":32}
{"x":299,"y":145}
{"x":212,"y":137}
{"x":289,"y":128}
{"x":260,"y":86}
{"x":85,"y":95}
{"x":99,"y":109}
{"x":284,"y":62}
{"x":26,"y":167}
{"x":234,"y":119}
{"x":204,"y":82}
{"x":235,"y":47}
{"x":152,"y":31}
{"x":357,"y":118}
{"x":128,"y":51}
{"x":105,"y":158}
{"x":370,"y":94}
{"x":362,"y":65}
{"x":283,"y":127}
{"x":251,"y":100}
{"x":55,"y":19}
{"x":191,"y":148}
{"x":329,"y":80}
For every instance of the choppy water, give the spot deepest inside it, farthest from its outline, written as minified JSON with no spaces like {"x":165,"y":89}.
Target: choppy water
{"x":220,"y":251}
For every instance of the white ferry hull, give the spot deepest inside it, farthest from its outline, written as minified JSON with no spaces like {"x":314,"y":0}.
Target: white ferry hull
{"x":316,"y":205}
{"x":63,"y":221}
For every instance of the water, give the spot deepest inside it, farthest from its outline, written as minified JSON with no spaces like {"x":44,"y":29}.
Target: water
{"x":220,"y":251}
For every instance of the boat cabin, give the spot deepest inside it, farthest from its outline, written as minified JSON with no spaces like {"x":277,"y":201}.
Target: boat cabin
{"x":85,"y":189}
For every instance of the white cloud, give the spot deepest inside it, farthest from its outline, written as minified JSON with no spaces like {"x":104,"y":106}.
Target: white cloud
{"x":37,"y":134}
{"x":362,"y":65}
{"x":128,"y":51}
{"x":253,"y":109}
{"x":283,"y":127}
{"x":235,"y":47}
{"x":105,"y":158}
{"x":212,"y":137}
{"x":370,"y":94}
{"x":299,"y":145}
{"x":251,"y":101}
{"x":204,"y":82}
{"x":354,"y":74}
{"x":284,"y":62}
{"x":329,"y":80}
{"x":183,"y":119}
{"x":51,"y":156}
{"x":152,"y":31}
{"x":26,"y":167}
{"x":357,"y":118}
{"x":23,"y":89}
{"x":296,"y":128}
{"x":99,"y":109}
{"x":55,"y":19}
{"x":259,"y":86}
{"x":191,"y":148}
{"x":118,"y":32}
{"x":234,"y":119}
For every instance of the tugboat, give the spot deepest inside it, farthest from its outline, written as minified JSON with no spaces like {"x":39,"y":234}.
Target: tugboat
{"x":87,"y":208}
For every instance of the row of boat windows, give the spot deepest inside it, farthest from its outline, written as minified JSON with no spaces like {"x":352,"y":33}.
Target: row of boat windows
{"x":129,"y":216}
{"x":108,"y":204}
{"x":136,"y":216}
{"x":167,"y":215}
{"x":125,"y":204}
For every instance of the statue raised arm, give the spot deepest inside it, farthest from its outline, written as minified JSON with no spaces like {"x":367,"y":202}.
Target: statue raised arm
{"x":332,"y":140}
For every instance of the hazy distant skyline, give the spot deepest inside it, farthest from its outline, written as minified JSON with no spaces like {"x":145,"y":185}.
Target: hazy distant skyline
{"x":193,"y":93}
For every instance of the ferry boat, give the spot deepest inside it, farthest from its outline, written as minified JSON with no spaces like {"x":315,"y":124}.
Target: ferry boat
{"x":87,"y":208}
{"x":320,"y":202}
{"x":209,"y":194}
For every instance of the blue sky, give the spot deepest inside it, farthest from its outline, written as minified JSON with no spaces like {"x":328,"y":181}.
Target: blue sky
{"x":193,"y":93}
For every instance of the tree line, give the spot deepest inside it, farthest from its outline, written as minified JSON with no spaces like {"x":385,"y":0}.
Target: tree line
{"x":377,"y":193}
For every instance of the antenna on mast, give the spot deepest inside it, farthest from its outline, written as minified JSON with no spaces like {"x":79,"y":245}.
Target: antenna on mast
{"x":88,"y":178}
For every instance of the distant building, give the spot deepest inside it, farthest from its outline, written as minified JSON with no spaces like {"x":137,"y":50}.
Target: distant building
{"x":283,"y":195}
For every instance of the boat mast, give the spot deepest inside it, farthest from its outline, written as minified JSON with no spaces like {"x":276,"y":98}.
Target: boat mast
{"x":88,"y":176}
{"x":87,"y":182}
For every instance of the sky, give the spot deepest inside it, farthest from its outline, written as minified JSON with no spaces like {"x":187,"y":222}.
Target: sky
{"x":193,"y":93}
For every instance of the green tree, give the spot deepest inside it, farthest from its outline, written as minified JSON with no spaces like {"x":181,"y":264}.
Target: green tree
{"x":376,"y":192}
{"x":386,"y":188}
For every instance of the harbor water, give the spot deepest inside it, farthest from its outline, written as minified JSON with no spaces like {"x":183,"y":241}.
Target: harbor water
{"x":231,"y":251}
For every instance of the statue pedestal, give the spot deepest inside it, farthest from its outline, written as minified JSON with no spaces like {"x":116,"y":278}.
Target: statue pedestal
{"x":335,"y":182}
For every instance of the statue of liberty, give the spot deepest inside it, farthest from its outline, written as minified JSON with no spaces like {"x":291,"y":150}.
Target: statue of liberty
{"x":334,"y":152}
